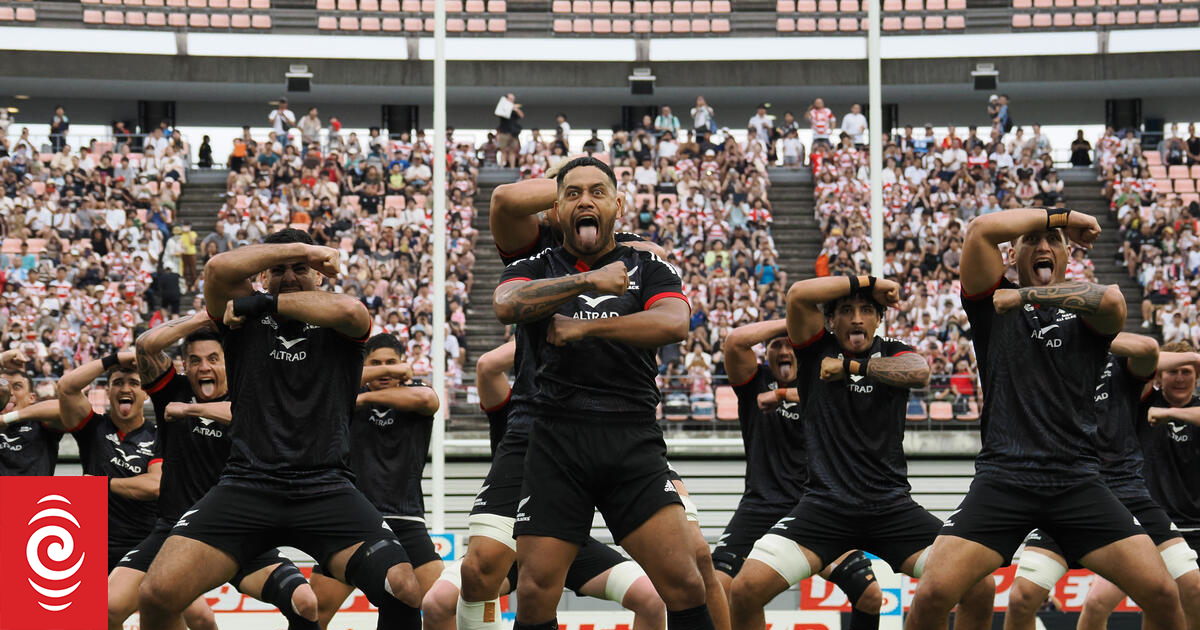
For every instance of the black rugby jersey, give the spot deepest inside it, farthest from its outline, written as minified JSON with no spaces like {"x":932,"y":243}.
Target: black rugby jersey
{"x":521,"y":396}
{"x":105,"y":451}
{"x":776,"y":461}
{"x":28,"y":448}
{"x":1117,"y":399}
{"x":293,"y":386}
{"x":855,"y":429}
{"x":193,"y":450}
{"x":387,"y":455}
{"x":1039,"y":367}
{"x":1172,"y":452}
{"x":597,"y":379}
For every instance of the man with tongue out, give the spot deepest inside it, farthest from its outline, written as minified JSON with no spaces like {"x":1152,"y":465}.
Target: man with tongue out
{"x":1041,"y":347}
{"x":854,"y":388}
{"x":593,"y":315}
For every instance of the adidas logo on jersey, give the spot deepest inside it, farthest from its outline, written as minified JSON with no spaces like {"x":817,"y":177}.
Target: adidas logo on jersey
{"x":670,"y":487}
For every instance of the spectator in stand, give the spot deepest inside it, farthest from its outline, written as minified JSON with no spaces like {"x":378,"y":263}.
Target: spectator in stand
{"x":282,"y":119}
{"x":703,"y":119}
{"x":563,"y":129}
{"x":593,"y":144}
{"x":822,"y":120}
{"x":1081,"y":151}
{"x":1193,"y":145}
{"x":1172,"y":148}
{"x":59,"y":126}
{"x":310,"y":128}
{"x":1040,"y":142}
{"x":762,"y":124}
{"x":205,"y":154}
{"x":855,"y":124}
{"x":508,"y":129}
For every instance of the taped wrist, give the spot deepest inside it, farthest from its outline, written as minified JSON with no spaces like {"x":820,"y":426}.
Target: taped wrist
{"x":256,"y":304}
{"x":1057,"y":218}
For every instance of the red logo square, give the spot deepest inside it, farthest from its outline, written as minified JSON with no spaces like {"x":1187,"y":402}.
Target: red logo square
{"x":54,"y":550}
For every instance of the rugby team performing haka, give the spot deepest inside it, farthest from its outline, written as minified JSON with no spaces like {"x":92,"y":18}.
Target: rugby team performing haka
{"x":283,"y":422}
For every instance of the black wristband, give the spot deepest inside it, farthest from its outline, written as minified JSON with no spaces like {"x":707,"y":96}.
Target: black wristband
{"x":870,"y":289}
{"x":252,"y":305}
{"x":110,"y":361}
{"x":1057,"y":218}
{"x":862,"y":365}
{"x":846,"y":366}
{"x":853,"y":285}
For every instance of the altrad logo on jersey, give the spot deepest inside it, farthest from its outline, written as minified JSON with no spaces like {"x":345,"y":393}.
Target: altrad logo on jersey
{"x":10,"y":443}
{"x":285,"y":353}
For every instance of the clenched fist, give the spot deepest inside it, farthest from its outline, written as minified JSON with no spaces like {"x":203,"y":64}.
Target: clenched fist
{"x":563,"y":330}
{"x":1006,"y":300}
{"x":610,"y":279}
{"x":831,"y":369}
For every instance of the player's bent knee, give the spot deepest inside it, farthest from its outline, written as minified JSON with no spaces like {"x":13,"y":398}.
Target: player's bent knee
{"x":493,"y":527}
{"x":783,"y":556}
{"x":380,"y":570}
{"x":440,"y":603}
{"x":1041,"y":570}
{"x":856,"y":578}
{"x":305,"y":603}
{"x":1180,"y":559}
{"x":1025,"y":598}
{"x":622,"y":578}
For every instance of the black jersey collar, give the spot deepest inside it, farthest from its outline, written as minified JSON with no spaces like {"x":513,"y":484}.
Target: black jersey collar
{"x":582,"y":266}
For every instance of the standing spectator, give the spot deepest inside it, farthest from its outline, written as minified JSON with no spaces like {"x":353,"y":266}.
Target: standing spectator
{"x":702,"y":116}
{"x":166,"y":287}
{"x":1081,"y":150}
{"x":282,"y":119}
{"x":564,"y":128}
{"x":594,"y":144}
{"x":5,"y":122}
{"x":1040,"y":142}
{"x":855,"y":124}
{"x":1172,"y":148}
{"x":822,"y":120}
{"x":1193,"y":145}
{"x":310,"y":127}
{"x":761,"y":124}
{"x":188,"y":243}
{"x":666,"y":121}
{"x":508,"y":129}
{"x":206,"y":157}
{"x":59,"y":125}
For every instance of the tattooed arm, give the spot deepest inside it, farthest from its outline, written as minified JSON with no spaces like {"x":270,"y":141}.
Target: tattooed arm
{"x":1102,"y":307}
{"x":531,"y":300}
{"x":908,"y":370}
{"x":152,"y":360}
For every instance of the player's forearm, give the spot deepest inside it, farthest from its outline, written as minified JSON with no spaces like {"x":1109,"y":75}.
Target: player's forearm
{"x":415,"y":399}
{"x":746,"y":337}
{"x":75,"y":380}
{"x":402,"y":372}
{"x":1084,"y":298}
{"x":908,"y":370}
{"x":143,"y":487}
{"x":1173,"y":360}
{"x":221,"y":411}
{"x":647,"y":329}
{"x":45,"y":412}
{"x":523,"y":302}
{"x":152,"y":361}
{"x":1002,"y":227}
{"x":513,"y":209}
{"x":816,"y":291}
{"x":338,"y":311}
{"x":1190,"y":415}
{"x":233,"y":267}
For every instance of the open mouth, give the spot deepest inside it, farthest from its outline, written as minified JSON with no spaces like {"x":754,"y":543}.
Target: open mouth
{"x":587,"y":229}
{"x":1043,"y":270}
{"x":857,"y":338}
{"x":787,"y":368}
{"x":208,"y":386}
{"x":125,"y":405}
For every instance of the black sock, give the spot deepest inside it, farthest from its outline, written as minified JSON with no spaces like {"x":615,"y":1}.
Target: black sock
{"x":860,"y":620}
{"x":691,"y":619}
{"x":277,"y":591}
{"x":548,"y":625}
{"x":396,"y":615}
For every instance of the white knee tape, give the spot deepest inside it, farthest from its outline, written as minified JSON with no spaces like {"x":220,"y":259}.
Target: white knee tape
{"x":452,"y":574}
{"x":689,"y":509}
{"x":782,"y":555}
{"x":479,"y":615}
{"x":498,"y":528}
{"x":620,"y":578}
{"x":1040,"y":569}
{"x":919,"y":565}
{"x":1180,"y":559}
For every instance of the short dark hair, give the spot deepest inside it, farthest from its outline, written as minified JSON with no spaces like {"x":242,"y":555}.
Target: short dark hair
{"x":586,"y":161}
{"x":204,"y":334}
{"x":830,"y":308}
{"x":9,"y":375}
{"x":289,"y":235}
{"x":385,"y":340}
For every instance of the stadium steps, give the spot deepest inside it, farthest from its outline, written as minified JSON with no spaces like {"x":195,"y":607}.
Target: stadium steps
{"x":200,"y":200}
{"x":1082,"y":192}
{"x":797,"y":234}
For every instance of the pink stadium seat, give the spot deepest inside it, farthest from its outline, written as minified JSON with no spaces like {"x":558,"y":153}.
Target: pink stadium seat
{"x":660,"y":26}
{"x":1064,"y":4}
{"x":114,"y":18}
{"x":454,"y":25}
{"x":1022,"y":4}
{"x":891,"y":23}
{"x":1177,"y":172}
{"x":1127,"y":3}
{"x":827,"y":24}
{"x":428,"y":6}
{"x":956,"y":5}
{"x":893,"y":5}
{"x":581,"y":6}
{"x":602,"y":26}
{"x":1041,"y":20}
{"x":390,"y":6}
{"x":641,"y":6}
{"x":581,"y":25}
{"x":198,"y":20}
{"x":348,"y":23}
{"x":848,"y":6}
{"x":497,"y":25}
{"x":327,"y":23}
{"x":934,"y":23}
{"x":1148,"y":2}
{"x":641,"y":26}
{"x":956,"y":22}
{"x":848,"y":24}
{"x":562,"y":26}
{"x":261,"y":22}
{"x":497,"y":6}
{"x":721,"y":6}
{"x":240,"y":5}
{"x":622,"y":7}
{"x":1158,"y":171}
{"x":90,"y":1}
{"x":1189,"y":15}
{"x":785,"y":25}
{"x":1147,"y":16}
{"x":702,"y":7}
{"x":700,"y":25}
{"x":1062,"y":20}
{"x":1106,"y":18}
{"x":218,"y":20}
{"x":560,"y":6}
{"x":412,"y":6}
{"x":1188,"y":199}
{"x":660,"y":6}
{"x":806,"y":6}
{"x":1162,"y":186}
{"x":1085,"y":4}
{"x":806,"y":25}
{"x":681,"y":6}
{"x":1022,"y":20}
{"x":827,"y":6}
{"x":326,"y":5}
{"x":366,"y":5}
{"x":785,"y":6}
{"x":622,"y":27}
{"x":912,"y":23}
{"x":681,"y":26}
{"x":474,"y":6}
{"x":935,"y":5}
{"x":476,"y":25}
{"x":455,"y":6}
{"x":136,"y":18}
{"x":1185,"y":186}
{"x":1084,"y":19}
{"x":191,"y":4}
{"x":602,"y":7}
{"x":260,"y":5}
{"x":1043,"y":4}
{"x":1168,"y":16}
{"x":941,"y":411}
{"x":156,"y":19}
{"x":1125,"y":18}
{"x":238,"y":20}
{"x":90,"y":16}
{"x":427,"y":25}
{"x":413,"y":25}
{"x":392,"y":25}
{"x":913,"y":5}
{"x":721,"y":25}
